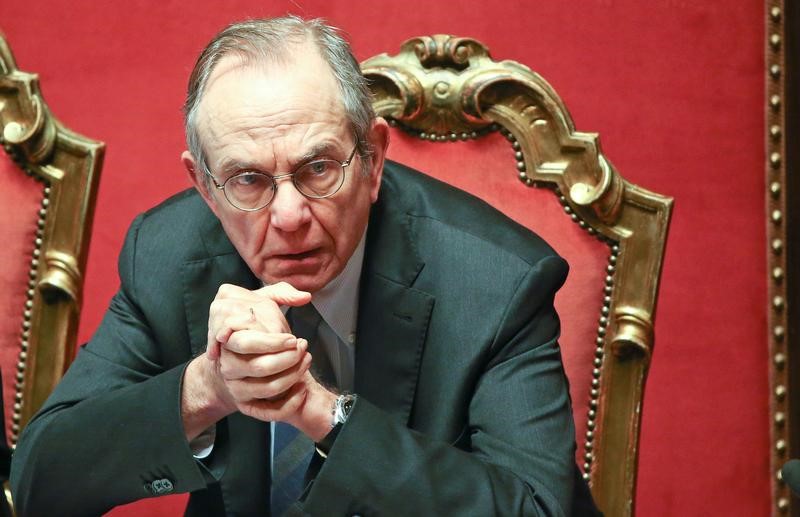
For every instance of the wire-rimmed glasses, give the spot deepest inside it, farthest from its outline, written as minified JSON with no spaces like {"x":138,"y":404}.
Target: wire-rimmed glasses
{"x":252,"y":190}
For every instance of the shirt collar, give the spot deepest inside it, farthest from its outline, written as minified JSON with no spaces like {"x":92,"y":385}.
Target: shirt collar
{"x":337,"y":302}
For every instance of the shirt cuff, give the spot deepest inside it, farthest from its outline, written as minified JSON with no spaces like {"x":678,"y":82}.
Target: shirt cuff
{"x":203,"y":444}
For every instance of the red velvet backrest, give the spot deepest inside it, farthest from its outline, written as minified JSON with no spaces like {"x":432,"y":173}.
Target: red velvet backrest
{"x":486,"y":168}
{"x":20,"y":201}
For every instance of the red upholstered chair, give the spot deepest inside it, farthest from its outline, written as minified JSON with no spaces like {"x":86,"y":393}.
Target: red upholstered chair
{"x":49,"y":179}
{"x":498,"y":130}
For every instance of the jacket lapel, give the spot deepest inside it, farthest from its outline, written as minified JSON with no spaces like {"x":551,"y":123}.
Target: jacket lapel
{"x":393,"y":316}
{"x":201,"y":277}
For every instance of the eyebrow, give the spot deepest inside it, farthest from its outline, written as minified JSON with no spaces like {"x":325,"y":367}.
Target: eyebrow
{"x":231,"y":165}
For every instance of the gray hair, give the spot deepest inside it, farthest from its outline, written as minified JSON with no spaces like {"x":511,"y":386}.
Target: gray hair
{"x":271,"y":40}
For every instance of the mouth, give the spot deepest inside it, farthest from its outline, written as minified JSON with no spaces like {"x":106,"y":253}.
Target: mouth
{"x":296,"y":256}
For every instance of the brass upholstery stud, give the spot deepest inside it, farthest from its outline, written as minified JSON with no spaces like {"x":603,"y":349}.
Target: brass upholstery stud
{"x":775,"y":189}
{"x":780,"y":360}
{"x":775,"y":71}
{"x":780,"y":418}
{"x":775,"y":14}
{"x":776,"y":216}
{"x":775,"y":131}
{"x":775,"y":41}
{"x":780,"y":391}
{"x":783,"y":504}
{"x":780,"y":446}
{"x":777,"y":302}
{"x":775,"y":102}
{"x":778,"y":332}
{"x":777,"y":246}
{"x":775,"y":160}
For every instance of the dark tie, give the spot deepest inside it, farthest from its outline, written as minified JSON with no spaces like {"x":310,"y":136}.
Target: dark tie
{"x":292,"y":449}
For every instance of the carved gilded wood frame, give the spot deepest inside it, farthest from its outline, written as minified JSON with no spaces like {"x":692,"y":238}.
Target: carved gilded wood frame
{"x":68,"y":167}
{"x":782,"y":60}
{"x":446,"y":88}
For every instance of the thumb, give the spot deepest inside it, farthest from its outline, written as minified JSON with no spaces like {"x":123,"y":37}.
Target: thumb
{"x":284,"y":293}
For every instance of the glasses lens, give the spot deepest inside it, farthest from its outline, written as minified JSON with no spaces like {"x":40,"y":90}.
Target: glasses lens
{"x":320,"y":178}
{"x":249,"y":190}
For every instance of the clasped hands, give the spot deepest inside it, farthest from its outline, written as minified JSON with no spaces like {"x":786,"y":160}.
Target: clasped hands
{"x":261,"y":369}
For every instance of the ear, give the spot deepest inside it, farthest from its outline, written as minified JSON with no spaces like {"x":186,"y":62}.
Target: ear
{"x":199,"y":180}
{"x":379,"y":138}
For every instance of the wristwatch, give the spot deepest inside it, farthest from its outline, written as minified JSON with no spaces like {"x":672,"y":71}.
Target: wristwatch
{"x":341,"y":410}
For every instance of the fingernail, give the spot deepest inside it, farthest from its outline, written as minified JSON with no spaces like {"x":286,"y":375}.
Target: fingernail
{"x":292,"y":341}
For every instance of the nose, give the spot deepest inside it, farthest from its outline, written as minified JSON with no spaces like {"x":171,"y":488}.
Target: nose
{"x":289,"y":210}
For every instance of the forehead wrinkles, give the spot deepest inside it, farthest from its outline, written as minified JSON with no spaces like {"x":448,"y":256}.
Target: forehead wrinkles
{"x":250,"y":103}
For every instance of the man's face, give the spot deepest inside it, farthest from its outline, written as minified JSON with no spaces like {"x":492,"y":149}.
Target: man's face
{"x":270,"y":119}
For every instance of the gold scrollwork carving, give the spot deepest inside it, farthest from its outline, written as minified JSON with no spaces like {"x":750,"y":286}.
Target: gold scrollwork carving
{"x":62,"y":277}
{"x":634,"y":332}
{"x":27,"y":126}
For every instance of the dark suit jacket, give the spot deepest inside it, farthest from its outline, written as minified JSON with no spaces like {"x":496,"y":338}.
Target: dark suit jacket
{"x":463,"y":408}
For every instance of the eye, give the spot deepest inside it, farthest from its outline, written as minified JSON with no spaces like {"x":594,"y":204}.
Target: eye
{"x":318,"y":168}
{"x":246,"y":179}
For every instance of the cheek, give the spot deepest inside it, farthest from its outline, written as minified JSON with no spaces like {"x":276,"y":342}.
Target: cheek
{"x":246,"y":231}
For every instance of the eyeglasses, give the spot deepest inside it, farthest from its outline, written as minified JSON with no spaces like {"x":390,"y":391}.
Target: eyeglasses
{"x":251,"y":191}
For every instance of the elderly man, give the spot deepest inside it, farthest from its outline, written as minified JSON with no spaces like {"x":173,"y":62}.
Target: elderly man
{"x":310,"y":302}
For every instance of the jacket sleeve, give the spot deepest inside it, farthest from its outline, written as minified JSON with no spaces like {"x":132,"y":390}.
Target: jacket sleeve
{"x":112,"y":426}
{"x":516,"y":455}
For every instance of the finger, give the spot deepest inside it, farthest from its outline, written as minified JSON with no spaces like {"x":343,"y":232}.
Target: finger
{"x":284,"y":293}
{"x":268,"y":388}
{"x":234,"y":323}
{"x":267,"y":316}
{"x":230,"y":291}
{"x":213,"y":351}
{"x":279,"y":409}
{"x":249,"y":341}
{"x":239,"y":366}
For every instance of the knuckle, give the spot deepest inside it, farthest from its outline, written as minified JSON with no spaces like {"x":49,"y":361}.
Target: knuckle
{"x":225,"y":290}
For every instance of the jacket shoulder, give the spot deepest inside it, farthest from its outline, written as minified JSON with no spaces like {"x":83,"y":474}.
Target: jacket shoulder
{"x":459,"y":214}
